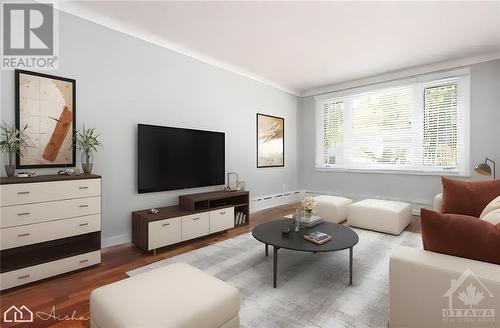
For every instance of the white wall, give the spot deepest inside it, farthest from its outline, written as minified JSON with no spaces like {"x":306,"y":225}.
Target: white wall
{"x":122,"y":81}
{"x":485,"y":119}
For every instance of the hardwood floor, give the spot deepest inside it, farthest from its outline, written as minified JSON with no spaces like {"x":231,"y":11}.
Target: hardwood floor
{"x":68,"y":295}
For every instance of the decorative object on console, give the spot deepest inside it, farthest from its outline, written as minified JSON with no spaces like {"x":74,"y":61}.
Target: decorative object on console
{"x":270,"y":141}
{"x":87,"y":141}
{"x":233,"y":181}
{"x":47,"y":105}
{"x":12,"y":141}
{"x":485,"y":169}
{"x":460,"y":235}
{"x":309,"y":203}
{"x":468,"y":197}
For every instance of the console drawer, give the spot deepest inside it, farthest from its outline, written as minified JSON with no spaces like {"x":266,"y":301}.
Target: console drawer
{"x":41,"y":271}
{"x":26,"y":193}
{"x":164,"y":232}
{"x":195,"y":225}
{"x":40,"y":232}
{"x":221,"y":219}
{"x":11,"y":216}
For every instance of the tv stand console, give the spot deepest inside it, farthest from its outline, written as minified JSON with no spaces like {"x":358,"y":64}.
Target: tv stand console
{"x":196,"y":215}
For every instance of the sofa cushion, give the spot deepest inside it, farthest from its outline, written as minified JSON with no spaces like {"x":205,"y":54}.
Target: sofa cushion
{"x":460,"y":235}
{"x":493,"y":217}
{"x":468,"y":197}
{"x":493,"y":205}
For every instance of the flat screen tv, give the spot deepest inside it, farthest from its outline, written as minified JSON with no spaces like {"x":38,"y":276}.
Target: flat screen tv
{"x":174,"y":158}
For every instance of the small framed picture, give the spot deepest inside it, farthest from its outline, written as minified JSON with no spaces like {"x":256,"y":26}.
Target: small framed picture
{"x":46,"y":104}
{"x":270,"y":141}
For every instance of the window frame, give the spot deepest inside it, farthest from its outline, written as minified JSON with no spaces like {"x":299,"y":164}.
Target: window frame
{"x":420,"y":83}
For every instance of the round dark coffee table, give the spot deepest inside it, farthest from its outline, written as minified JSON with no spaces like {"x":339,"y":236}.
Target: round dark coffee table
{"x":270,"y":234}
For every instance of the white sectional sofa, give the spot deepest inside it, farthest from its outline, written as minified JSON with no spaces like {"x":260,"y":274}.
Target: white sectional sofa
{"x":422,"y":285}
{"x":425,"y":289}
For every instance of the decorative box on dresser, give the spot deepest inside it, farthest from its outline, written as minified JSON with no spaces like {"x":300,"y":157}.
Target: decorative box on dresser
{"x":196,"y":215}
{"x":49,"y":225}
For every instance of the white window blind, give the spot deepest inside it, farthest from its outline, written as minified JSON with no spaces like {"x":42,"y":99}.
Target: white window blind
{"x":441,"y":126}
{"x":333,"y":124}
{"x":416,"y":125}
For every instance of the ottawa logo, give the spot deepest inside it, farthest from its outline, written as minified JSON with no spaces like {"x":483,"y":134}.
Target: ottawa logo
{"x":465,"y":296}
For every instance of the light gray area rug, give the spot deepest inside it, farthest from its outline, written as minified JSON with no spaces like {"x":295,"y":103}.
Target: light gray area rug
{"x":313,"y":289}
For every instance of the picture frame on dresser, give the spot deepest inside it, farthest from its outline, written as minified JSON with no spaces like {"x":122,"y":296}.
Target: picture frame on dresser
{"x":46,"y":104}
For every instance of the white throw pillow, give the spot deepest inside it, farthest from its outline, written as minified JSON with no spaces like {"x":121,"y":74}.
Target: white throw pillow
{"x":493,"y":217}
{"x":493,"y":205}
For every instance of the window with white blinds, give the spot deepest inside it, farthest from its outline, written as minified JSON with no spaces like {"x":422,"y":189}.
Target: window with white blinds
{"x":415,"y":126}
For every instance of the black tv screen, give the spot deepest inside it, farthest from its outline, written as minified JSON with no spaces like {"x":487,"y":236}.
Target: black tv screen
{"x":175,"y":158}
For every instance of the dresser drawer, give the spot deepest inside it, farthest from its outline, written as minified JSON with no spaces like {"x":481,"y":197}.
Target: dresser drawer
{"x":40,"y":232}
{"x":195,"y":225}
{"x":26,"y":193}
{"x":41,"y":271}
{"x":221,"y":219}
{"x":11,"y":216}
{"x":164,"y":232}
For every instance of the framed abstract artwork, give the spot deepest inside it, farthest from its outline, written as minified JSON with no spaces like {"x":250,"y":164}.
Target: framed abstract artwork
{"x":46,"y":104}
{"x":270,"y":141}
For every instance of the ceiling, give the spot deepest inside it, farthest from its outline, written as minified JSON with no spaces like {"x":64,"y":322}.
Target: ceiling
{"x":301,"y":46}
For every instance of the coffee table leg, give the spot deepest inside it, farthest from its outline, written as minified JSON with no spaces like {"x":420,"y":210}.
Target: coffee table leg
{"x":267,"y":249}
{"x":350,"y":266}
{"x":275,"y":265}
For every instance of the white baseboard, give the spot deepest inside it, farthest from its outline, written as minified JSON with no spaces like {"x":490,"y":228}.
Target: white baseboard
{"x":263,"y":202}
{"x":116,"y":240}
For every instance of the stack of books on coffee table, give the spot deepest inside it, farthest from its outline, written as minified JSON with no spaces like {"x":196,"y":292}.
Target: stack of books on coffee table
{"x":310,"y":221}
{"x":318,"y":237}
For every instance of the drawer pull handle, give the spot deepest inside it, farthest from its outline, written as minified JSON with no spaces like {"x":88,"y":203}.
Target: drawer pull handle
{"x":83,"y":187}
{"x":165,"y":224}
{"x":23,"y":192}
{"x":24,"y":277}
{"x":222,"y":213}
{"x":194,"y":219}
{"x":84,"y":206}
{"x":24,"y":234}
{"x":24,"y":213}
{"x":83,"y":224}
{"x":83,"y":261}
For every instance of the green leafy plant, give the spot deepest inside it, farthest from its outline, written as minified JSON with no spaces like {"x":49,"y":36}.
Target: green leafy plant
{"x":12,"y":139}
{"x":87,"y":140}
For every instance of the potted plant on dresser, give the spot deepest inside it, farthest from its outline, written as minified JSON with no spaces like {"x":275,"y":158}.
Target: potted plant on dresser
{"x":87,"y":140}
{"x":12,"y":142}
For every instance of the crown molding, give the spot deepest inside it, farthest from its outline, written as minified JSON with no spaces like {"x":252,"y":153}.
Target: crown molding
{"x":404,"y":73}
{"x":70,"y":8}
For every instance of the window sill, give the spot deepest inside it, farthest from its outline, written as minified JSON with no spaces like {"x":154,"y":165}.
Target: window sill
{"x":392,"y":172}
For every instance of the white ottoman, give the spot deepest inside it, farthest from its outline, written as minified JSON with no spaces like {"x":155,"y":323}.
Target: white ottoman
{"x":332,"y":208}
{"x":177,"y":295}
{"x":380,"y":215}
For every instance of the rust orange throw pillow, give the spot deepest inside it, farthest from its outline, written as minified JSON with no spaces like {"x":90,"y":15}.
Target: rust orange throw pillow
{"x":460,"y":235}
{"x":468,"y":197}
